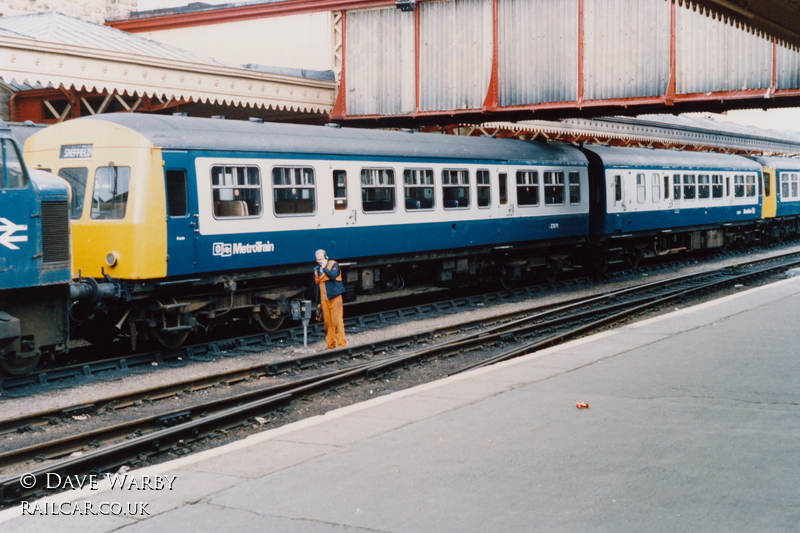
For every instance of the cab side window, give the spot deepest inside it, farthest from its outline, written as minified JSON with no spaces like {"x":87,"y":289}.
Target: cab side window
{"x":110,"y":194}
{"x":12,"y":175}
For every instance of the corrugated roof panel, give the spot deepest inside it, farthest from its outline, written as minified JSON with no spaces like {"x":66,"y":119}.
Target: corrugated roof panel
{"x":455,"y":54}
{"x":58,"y":28}
{"x":626,"y":51}
{"x":380,"y":62}
{"x":714,"y":56}
{"x":538,"y":52}
{"x":788,"y":68}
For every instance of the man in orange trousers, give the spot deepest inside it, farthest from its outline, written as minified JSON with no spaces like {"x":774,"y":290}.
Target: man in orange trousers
{"x":329,"y":280}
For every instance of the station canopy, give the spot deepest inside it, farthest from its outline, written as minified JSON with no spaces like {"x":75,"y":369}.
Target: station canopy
{"x":61,"y":67}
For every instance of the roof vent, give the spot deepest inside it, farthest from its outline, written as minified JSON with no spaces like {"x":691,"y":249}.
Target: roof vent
{"x":180,"y":114}
{"x":333,"y":125}
{"x":218,"y":117}
{"x":256,"y":120}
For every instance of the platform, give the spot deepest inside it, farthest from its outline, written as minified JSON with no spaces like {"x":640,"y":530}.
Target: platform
{"x":693,"y":425}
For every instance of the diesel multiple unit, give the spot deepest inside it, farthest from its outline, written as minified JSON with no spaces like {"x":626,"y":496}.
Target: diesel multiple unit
{"x":181,"y":223}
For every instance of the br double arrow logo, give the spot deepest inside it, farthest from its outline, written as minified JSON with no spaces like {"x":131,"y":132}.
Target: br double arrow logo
{"x":7,"y":231}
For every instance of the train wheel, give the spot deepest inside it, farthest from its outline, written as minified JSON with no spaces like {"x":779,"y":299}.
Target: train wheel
{"x":18,"y":366}
{"x":170,"y":339}
{"x":266,"y":323}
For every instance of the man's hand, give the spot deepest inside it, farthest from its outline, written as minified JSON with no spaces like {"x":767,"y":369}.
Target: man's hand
{"x":323,"y":263}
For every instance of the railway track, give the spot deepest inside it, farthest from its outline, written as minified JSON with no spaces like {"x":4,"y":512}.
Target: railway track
{"x":92,"y":364}
{"x":502,"y":337}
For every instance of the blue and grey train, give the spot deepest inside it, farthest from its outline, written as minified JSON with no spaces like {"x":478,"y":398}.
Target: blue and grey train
{"x":196,"y":221}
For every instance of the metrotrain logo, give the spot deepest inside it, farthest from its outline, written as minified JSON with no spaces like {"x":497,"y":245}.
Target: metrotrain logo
{"x":226,"y":249}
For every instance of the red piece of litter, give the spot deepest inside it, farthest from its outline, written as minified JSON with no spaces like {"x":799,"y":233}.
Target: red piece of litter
{"x":581,"y":405}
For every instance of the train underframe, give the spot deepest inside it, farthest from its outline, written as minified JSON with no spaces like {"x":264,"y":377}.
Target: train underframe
{"x":169,"y":311}
{"x":33,"y":323}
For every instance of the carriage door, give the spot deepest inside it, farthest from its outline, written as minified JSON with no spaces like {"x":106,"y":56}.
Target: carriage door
{"x":182,"y":222}
{"x":618,"y":197}
{"x":342,"y":209}
{"x":770,"y":205}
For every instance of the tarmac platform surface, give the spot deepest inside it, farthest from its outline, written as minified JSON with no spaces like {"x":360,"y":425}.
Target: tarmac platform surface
{"x":693,"y":426}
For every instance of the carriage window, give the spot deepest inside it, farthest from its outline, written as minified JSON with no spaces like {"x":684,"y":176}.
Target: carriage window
{"x":689,"y":190}
{"x":751,"y":184}
{"x":418,"y":184}
{"x":574,"y":188}
{"x":76,"y":177}
{"x":110,"y":195}
{"x":641,"y":188}
{"x":795,"y":193}
{"x":617,"y":188}
{"x":554,"y":188}
{"x":11,"y":174}
{"x":339,"y":189}
{"x":666,"y":187}
{"x":767,"y":184}
{"x":455,"y":189}
{"x":655,"y":183}
{"x":527,"y":187}
{"x":377,"y":189}
{"x":716,"y":186}
{"x":236,"y":190}
{"x":501,"y":179}
{"x":676,"y":186}
{"x":738,"y":186}
{"x":294,"y":190}
{"x":703,"y":186}
{"x":784,"y":185}
{"x":484,"y":188}
{"x":177,"y":197}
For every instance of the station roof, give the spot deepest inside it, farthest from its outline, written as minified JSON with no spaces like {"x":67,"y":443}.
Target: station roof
{"x":780,"y":18}
{"x":52,"y":49}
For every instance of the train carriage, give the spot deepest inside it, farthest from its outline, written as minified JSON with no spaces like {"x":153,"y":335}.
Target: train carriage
{"x":199,"y":218}
{"x":781,"y":206}
{"x":649,"y":202}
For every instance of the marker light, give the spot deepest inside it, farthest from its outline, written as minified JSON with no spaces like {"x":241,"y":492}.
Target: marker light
{"x":112,"y":258}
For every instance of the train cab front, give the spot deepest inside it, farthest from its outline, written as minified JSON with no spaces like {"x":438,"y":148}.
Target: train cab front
{"x":35,"y":268}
